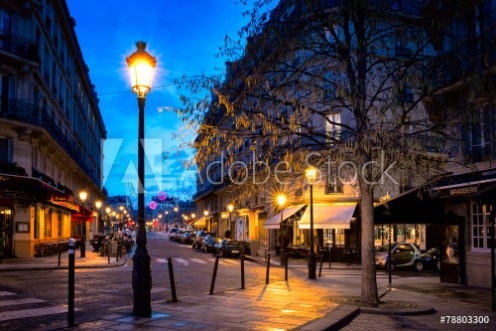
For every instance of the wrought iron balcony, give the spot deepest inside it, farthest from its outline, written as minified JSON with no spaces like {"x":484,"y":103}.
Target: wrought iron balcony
{"x":17,"y":45}
{"x":28,"y":113}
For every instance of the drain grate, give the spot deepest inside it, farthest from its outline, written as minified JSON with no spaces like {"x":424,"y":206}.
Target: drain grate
{"x":355,"y":301}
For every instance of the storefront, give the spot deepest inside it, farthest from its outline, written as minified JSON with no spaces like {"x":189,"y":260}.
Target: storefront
{"x":469,"y":201}
{"x":335,"y":229}
{"x":31,"y":217}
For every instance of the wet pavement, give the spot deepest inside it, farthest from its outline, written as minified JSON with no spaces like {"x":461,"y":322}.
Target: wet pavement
{"x":327,"y":303}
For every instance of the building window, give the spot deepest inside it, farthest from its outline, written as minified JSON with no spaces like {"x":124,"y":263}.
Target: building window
{"x":4,"y":150}
{"x":333,"y":127}
{"x":478,"y":134}
{"x":59,"y":224}
{"x":333,"y":185}
{"x":339,"y":240}
{"x":480,"y":220}
{"x":36,"y":221}
{"x":48,"y":223}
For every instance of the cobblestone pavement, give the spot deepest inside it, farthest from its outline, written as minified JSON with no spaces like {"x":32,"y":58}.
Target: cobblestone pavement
{"x":104,"y":296}
{"x":35,"y":290}
{"x":452,"y":303}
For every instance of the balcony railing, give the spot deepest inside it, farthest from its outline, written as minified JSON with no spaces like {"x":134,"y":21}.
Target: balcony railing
{"x":398,"y":6}
{"x":35,"y":115}
{"x":15,"y":44}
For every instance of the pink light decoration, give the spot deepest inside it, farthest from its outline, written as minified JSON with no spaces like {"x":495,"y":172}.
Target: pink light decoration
{"x":162,"y":196}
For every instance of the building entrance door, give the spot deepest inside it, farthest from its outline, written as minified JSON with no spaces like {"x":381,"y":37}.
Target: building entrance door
{"x":452,"y":254}
{"x":6,"y":233}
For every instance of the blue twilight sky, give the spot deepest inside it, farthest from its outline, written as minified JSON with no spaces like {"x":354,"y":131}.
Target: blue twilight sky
{"x":185,"y":36}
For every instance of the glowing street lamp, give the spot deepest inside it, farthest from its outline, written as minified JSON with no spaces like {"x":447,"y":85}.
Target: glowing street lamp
{"x":121,"y":216}
{"x":98,"y":205}
{"x":141,"y":67}
{"x":108,"y":210}
{"x":311,"y":176}
{"x":230,"y":208}
{"x":281,"y":201}
{"x":83,"y":195}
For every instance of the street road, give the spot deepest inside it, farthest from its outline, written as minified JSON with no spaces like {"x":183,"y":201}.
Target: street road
{"x":37,"y":299}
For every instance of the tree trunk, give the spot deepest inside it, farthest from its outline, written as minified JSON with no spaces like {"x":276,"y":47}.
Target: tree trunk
{"x":368,"y":295}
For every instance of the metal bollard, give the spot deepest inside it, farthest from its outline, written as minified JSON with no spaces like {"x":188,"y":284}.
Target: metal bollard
{"x":59,"y":248}
{"x":242,"y":271}
{"x":330,"y":257}
{"x":118,"y":251}
{"x":171,"y":277}
{"x":72,"y":244}
{"x":268,"y":269}
{"x":286,"y":268}
{"x":108,"y":251}
{"x":212,"y":284}
{"x":321,"y":263}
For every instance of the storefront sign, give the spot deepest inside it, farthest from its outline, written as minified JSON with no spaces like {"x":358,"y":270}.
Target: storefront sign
{"x":463,"y":190}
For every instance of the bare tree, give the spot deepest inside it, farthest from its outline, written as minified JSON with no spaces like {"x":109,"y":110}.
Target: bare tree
{"x":343,"y":80}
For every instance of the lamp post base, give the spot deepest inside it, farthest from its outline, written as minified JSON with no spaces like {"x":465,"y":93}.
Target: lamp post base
{"x":284,"y":257}
{"x":83,"y":247}
{"x":142,"y":282}
{"x":312,"y":265}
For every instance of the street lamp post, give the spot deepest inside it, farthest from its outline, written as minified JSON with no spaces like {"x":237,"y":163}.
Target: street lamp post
{"x":230,"y":208}
{"x":176,"y":210}
{"x":114,"y":221}
{"x":207,"y":225}
{"x":98,"y":205}
{"x":141,"y":66}
{"x":281,"y":201}
{"x":83,"y":195}
{"x":311,"y":176}
{"x":108,"y":210}
{"x":121,"y":220}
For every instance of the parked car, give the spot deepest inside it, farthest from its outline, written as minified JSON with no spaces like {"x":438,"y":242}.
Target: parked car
{"x":179,"y":235}
{"x":187,"y":237}
{"x":403,"y":254}
{"x":172,"y":233}
{"x":431,"y":259}
{"x":208,"y":243}
{"x":228,"y":247}
{"x":198,"y":240}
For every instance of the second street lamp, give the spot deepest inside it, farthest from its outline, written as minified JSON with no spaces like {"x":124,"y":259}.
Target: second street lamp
{"x":141,"y":67}
{"x":108,"y":210}
{"x":82,"y":196}
{"x":311,"y":176}
{"x":281,"y":201}
{"x":98,"y":205}
{"x":230,"y":208}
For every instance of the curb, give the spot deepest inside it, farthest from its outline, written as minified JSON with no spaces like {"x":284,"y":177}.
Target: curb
{"x":333,"y":321}
{"x":89,"y":266}
{"x":412,"y":312}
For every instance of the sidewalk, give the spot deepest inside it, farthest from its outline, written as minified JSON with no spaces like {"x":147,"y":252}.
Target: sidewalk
{"x":92,"y":260}
{"x":327,"y":303}
{"x":308,"y":305}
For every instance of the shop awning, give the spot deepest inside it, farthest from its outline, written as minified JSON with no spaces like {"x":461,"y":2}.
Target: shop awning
{"x":275,"y":221}
{"x":66,"y":203}
{"x":88,"y":215}
{"x":200,"y":222}
{"x":190,"y":222}
{"x":23,"y":187}
{"x":328,"y":216}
